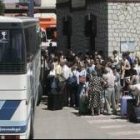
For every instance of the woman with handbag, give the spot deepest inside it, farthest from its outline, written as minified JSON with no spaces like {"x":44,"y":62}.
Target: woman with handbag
{"x":73,"y":86}
{"x":81,"y":82}
{"x":94,"y":92}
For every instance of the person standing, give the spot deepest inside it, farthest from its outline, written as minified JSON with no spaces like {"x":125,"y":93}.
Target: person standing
{"x":137,"y":67}
{"x":117,"y":86}
{"x":81,"y":81}
{"x":63,"y":77}
{"x":125,"y":74}
{"x":73,"y":87}
{"x":108,"y":77}
{"x":116,"y":59}
{"x":94,"y":93}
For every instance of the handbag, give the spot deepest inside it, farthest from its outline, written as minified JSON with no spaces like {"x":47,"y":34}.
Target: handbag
{"x":54,"y":84}
{"x":72,"y":80}
{"x":82,"y":79}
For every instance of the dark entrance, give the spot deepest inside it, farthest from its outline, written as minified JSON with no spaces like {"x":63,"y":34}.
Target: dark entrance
{"x":90,"y":30}
{"x":67,"y":30}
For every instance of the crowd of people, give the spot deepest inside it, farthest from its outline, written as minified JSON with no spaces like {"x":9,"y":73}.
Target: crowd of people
{"x":103,"y":82}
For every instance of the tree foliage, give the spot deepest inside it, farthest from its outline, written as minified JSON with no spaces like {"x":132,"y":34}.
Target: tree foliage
{"x":2,"y":7}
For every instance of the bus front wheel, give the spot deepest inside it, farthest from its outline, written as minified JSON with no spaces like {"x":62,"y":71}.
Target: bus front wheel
{"x":31,"y":129}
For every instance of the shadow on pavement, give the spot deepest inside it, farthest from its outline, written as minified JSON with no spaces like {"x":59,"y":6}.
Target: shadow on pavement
{"x":77,"y":114}
{"x":46,"y":108}
{"x":120,"y":118}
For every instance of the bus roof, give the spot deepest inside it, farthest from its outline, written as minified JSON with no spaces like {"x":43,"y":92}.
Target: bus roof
{"x":4,"y":19}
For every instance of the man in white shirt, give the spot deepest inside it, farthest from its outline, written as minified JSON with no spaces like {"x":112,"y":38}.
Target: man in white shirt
{"x":65,"y":74}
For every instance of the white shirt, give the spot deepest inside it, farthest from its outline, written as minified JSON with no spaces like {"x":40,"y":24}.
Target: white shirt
{"x":52,"y":73}
{"x":116,"y":59}
{"x":66,"y":73}
{"x":93,"y":67}
{"x":109,"y":78}
{"x":137,"y":68}
{"x":83,"y":73}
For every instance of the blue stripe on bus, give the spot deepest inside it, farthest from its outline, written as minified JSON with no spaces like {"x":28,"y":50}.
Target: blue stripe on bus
{"x":1,"y":104}
{"x":13,"y":129}
{"x":8,"y":109}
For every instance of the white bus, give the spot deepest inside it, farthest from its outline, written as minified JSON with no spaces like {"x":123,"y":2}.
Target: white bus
{"x":20,"y":87}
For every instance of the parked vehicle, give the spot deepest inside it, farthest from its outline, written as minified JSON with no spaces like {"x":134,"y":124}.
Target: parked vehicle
{"x":48,"y":26}
{"x":20,"y":65}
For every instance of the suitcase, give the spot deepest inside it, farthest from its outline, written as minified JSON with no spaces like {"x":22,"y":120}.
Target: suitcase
{"x":55,"y":100}
{"x":133,"y":111}
{"x":124,"y":104}
{"x":130,"y":105}
{"x":83,"y":108}
{"x":137,"y":114}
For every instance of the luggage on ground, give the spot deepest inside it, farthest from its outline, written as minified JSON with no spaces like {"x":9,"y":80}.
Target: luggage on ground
{"x":124,"y":104}
{"x":133,"y":111}
{"x":55,"y":100}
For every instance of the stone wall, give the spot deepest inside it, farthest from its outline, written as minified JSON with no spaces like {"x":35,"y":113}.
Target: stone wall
{"x":123,"y":25}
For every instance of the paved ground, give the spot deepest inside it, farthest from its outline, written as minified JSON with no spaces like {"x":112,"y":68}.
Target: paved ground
{"x":67,"y":124}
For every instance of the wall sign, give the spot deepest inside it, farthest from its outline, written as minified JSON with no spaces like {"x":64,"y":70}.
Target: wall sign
{"x":76,"y":4}
{"x":62,"y":1}
{"x":127,"y":46}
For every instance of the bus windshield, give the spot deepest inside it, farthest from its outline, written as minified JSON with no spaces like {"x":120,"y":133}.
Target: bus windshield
{"x":11,"y":46}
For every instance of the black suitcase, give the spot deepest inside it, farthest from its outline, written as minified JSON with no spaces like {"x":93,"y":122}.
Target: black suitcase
{"x":55,"y":100}
{"x":133,"y":112}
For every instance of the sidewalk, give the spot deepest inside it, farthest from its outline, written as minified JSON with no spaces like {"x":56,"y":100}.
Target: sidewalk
{"x":64,"y":124}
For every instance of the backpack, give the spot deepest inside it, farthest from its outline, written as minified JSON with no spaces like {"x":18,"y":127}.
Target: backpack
{"x":72,"y":81}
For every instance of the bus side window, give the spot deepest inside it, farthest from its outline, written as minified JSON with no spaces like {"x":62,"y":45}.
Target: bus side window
{"x":32,"y":42}
{"x":27,"y":38}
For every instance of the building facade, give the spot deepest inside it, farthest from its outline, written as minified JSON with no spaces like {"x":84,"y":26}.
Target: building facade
{"x":115,"y":25}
